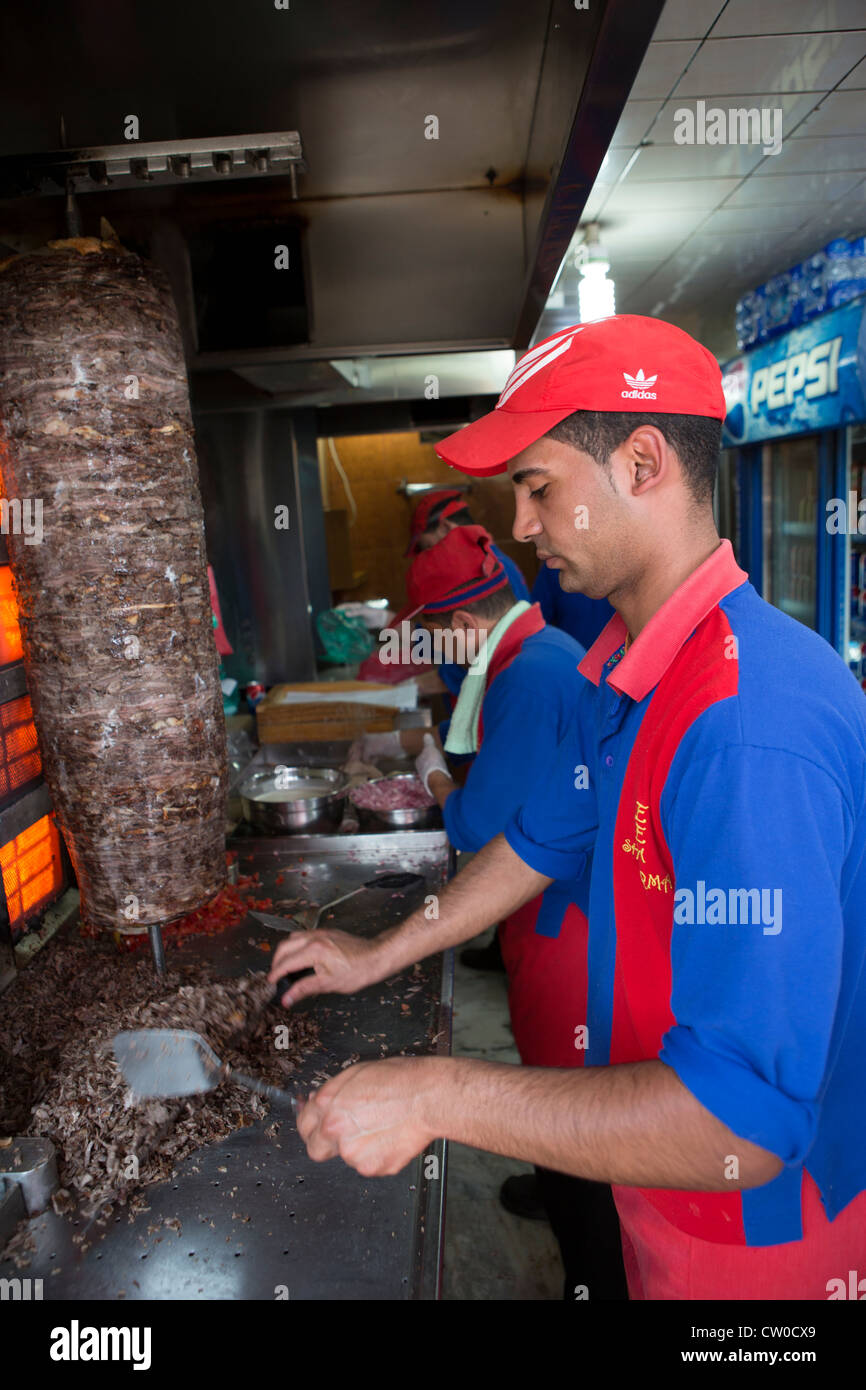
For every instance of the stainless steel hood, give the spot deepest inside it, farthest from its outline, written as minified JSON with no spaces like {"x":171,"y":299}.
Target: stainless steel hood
{"x":448,"y":150}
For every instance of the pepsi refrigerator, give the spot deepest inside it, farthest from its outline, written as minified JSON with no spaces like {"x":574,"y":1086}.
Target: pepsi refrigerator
{"x":793,"y":480}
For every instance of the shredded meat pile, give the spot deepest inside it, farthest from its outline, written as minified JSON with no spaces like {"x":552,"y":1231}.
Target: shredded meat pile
{"x":58,"y":1076}
{"x":393,"y":794}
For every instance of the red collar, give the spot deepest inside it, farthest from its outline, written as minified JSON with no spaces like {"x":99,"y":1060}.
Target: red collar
{"x":526,"y":625}
{"x":653,"y":650}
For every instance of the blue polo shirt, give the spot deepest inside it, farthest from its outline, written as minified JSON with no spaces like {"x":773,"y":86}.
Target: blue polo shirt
{"x":581,"y":617}
{"x":526,"y":712}
{"x":724,"y":792}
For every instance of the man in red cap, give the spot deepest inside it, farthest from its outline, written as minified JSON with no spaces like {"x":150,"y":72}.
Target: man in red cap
{"x":716,"y":768}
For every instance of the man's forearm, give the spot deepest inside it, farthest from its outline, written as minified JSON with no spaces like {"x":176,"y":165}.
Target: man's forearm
{"x":635,"y":1123}
{"x":494,"y":884}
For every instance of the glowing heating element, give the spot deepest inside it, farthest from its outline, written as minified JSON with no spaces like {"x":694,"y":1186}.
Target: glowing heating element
{"x":10,"y":632}
{"x":32,"y":869}
{"x":19,"y":755}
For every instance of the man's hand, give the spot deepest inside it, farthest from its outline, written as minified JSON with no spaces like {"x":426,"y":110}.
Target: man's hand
{"x":370,"y":1116}
{"x":343,"y":963}
{"x":429,"y":760}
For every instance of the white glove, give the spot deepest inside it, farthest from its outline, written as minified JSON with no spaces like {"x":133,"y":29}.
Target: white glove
{"x":430,"y":759}
{"x":381,"y":745}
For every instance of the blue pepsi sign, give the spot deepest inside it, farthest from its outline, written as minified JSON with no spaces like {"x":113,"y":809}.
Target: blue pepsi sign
{"x":813,"y":378}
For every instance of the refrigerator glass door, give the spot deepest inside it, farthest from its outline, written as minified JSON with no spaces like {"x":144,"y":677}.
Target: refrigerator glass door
{"x":791,"y":492}
{"x":856,"y":651}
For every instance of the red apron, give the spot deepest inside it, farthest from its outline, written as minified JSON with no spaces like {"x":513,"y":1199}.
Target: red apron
{"x":547,"y":980}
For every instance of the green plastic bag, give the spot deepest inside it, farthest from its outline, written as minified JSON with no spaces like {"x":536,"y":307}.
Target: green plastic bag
{"x":344,"y":639}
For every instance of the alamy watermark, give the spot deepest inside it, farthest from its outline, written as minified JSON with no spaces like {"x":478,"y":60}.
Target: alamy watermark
{"x":846,"y":517}
{"x":739,"y":125}
{"x":420,"y":647}
{"x":720,"y":907}
{"x":23,"y":517}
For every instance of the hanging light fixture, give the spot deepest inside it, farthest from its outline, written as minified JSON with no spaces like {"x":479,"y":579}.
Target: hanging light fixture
{"x":596,"y":296}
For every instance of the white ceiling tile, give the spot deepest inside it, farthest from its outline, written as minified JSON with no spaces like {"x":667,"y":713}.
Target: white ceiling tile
{"x":835,"y":154}
{"x":613,"y":164}
{"x":840,"y":113}
{"x":823,"y":227}
{"x":792,"y":188}
{"x":595,"y":202}
{"x":635,"y":121}
{"x":662,"y":65}
{"x":687,"y":19}
{"x":727,"y":253}
{"x":789,"y":63}
{"x":857,"y":78}
{"x":795,"y":106}
{"x":694,"y":161}
{"x":758,"y":219}
{"x":787,"y":17}
{"x":648,"y":236}
{"x":670,"y":194}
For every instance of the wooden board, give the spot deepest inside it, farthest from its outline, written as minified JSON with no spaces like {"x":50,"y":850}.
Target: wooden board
{"x":318,"y":720}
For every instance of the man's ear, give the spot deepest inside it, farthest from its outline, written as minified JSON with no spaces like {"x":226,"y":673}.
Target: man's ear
{"x":649,"y":457}
{"x":462,"y":620}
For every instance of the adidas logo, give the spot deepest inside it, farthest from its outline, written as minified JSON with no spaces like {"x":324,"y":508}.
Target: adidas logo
{"x":641,"y":386}
{"x":534,"y":361}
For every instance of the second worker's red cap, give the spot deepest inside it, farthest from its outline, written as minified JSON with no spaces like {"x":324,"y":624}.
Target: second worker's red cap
{"x":457,"y":570}
{"x":625,"y":362}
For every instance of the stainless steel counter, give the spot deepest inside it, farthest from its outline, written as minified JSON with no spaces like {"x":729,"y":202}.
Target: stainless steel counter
{"x":258,"y":1218}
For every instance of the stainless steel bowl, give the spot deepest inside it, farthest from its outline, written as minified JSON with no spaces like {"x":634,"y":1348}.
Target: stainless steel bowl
{"x":413,"y":818}
{"x":299,"y":813}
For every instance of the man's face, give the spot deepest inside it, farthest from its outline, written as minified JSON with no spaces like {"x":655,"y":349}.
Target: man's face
{"x":573,"y":511}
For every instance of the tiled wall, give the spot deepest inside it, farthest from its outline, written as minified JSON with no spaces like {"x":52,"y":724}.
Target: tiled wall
{"x":374,"y":465}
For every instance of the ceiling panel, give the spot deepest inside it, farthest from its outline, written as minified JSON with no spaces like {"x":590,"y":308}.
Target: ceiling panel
{"x":671,"y":194}
{"x":694,"y":162}
{"x":840,"y":113}
{"x":843,"y":219}
{"x":758,"y":218}
{"x":660,"y":69}
{"x":792,"y":188}
{"x":635,"y":121}
{"x":690,"y":228}
{"x":653,"y":233}
{"x":835,"y":154}
{"x":787,"y":16}
{"x":614,"y":165}
{"x":687,"y":19}
{"x":779,"y":64}
{"x":856,"y":78}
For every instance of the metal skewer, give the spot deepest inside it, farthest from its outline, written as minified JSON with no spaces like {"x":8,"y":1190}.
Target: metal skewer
{"x":154,"y":931}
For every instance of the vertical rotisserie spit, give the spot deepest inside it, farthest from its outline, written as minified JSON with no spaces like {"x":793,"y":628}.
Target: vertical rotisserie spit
{"x":95,"y":427}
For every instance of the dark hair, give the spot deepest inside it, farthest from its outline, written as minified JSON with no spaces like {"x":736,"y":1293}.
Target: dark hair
{"x":490,"y":606}
{"x":463,"y":517}
{"x":696,"y":440}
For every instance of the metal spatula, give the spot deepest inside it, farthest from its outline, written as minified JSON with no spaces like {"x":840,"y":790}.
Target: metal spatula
{"x":309,"y":918}
{"x":175,"y":1062}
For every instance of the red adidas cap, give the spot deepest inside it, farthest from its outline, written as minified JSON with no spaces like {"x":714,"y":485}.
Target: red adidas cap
{"x":458,"y":569}
{"x":453,"y":500}
{"x":625,"y":362}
